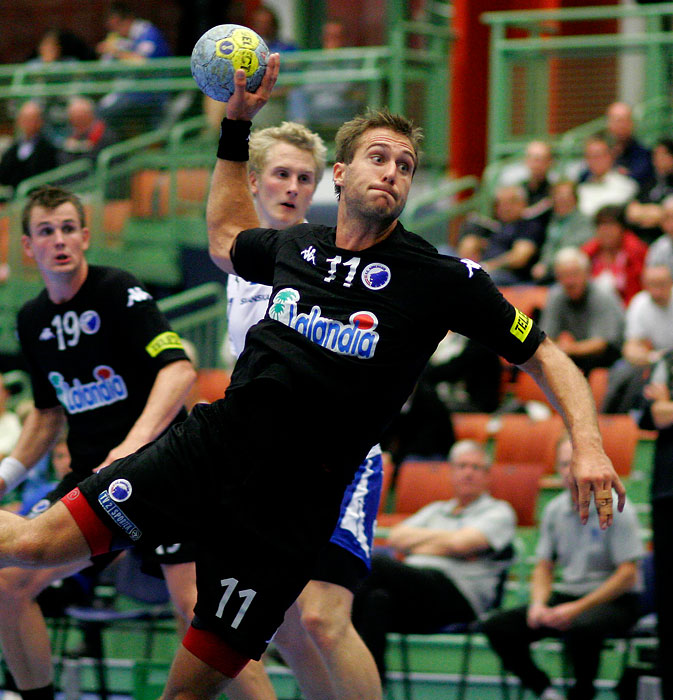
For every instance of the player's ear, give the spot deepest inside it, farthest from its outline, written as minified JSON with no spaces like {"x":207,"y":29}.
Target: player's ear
{"x":86,"y":238}
{"x":252,"y":178}
{"x":26,"y":245}
{"x":338,"y":173}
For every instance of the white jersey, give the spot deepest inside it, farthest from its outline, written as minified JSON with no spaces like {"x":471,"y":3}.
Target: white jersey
{"x":246,"y":305}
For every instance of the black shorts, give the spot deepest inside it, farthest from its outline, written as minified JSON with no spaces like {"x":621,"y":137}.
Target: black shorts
{"x":152,"y":557}
{"x":259,"y":514}
{"x":337,"y":565}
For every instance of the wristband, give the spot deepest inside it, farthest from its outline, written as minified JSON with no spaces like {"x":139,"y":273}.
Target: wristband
{"x":12,"y":472}
{"x":234,"y":136}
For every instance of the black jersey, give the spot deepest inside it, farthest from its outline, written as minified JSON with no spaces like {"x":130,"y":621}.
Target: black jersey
{"x":98,"y":356}
{"x":349,"y":332}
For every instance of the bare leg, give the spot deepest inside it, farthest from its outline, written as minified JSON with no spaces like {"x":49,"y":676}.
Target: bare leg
{"x":181,"y":583}
{"x":347,"y":671}
{"x":252,"y":683}
{"x":24,"y":636}
{"x":51,"y":539}
{"x":192,"y":679}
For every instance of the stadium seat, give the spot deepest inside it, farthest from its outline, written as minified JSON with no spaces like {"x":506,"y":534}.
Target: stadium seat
{"x":529,"y":299}
{"x":212,"y":383}
{"x":620,"y":437}
{"x":521,"y":440}
{"x":471,"y":426}
{"x":598,"y":382}
{"x":519,"y":485}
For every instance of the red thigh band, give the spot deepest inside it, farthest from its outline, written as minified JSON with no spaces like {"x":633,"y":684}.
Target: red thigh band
{"x":214,"y":651}
{"x":98,"y":537}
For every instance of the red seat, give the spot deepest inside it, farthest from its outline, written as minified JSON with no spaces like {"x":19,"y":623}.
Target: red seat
{"x":521,"y":440}
{"x":471,"y":426}
{"x":620,"y":437}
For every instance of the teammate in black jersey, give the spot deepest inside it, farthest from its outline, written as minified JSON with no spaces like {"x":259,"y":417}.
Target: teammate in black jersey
{"x":355,"y":313}
{"x":103,"y":360}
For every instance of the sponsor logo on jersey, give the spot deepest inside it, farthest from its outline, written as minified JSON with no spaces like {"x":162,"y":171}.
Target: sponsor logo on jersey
{"x":107,"y":388}
{"x":470,"y":265}
{"x":309,"y":254}
{"x":46,"y":334}
{"x":357,"y":338}
{"x":136,"y":295}
{"x":376,"y":276}
{"x":89,"y":322}
{"x":164,"y":341}
{"x":120,"y":490}
{"x":119,"y":517}
{"x":521,"y":326}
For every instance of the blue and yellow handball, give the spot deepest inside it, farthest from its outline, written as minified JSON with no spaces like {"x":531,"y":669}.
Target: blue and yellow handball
{"x":220,"y":52}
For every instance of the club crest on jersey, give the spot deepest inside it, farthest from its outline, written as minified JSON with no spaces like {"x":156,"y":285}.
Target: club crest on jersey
{"x":89,"y":322}
{"x":376,"y":276}
{"x":108,"y":388}
{"x":120,"y":490}
{"x":357,"y":338}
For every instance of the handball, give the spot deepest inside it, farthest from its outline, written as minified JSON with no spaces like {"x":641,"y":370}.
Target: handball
{"x":220,"y":52}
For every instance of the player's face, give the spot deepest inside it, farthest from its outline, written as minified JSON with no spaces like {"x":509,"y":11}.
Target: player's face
{"x":284,"y":189}
{"x":57,"y":239}
{"x":376,"y":183}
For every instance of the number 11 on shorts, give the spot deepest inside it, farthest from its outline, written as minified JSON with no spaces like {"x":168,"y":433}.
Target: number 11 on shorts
{"x":248,"y":594}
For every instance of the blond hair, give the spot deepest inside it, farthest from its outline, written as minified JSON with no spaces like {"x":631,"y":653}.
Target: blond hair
{"x":290,"y":132}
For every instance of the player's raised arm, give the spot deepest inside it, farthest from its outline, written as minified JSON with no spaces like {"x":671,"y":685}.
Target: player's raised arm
{"x":591,"y":469}
{"x":230,"y":208}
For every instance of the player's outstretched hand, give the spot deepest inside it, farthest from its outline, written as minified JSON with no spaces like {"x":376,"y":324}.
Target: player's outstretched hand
{"x":595,"y":474}
{"x":243,"y":104}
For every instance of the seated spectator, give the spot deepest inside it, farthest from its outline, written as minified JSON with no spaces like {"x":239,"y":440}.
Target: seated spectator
{"x":602,"y":183}
{"x":32,"y":152}
{"x":422,"y":429}
{"x":595,"y":596}
{"x":327,"y":105}
{"x":454,"y":553}
{"x":617,"y":255}
{"x":567,"y":227}
{"x":87,"y":135}
{"x":507,"y":245}
{"x":538,"y":161}
{"x":644,"y":214}
{"x":660,"y":251}
{"x":265,"y":22}
{"x":586,"y":321}
{"x":648,"y":334}
{"x":631,"y":157}
{"x":135,"y":41}
{"x":61,"y":45}
{"x":466,"y":375}
{"x":10,"y":425}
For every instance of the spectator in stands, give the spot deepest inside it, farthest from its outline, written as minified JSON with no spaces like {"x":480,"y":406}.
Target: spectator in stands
{"x":422,"y":429}
{"x":595,"y":596}
{"x":265,"y":22}
{"x":602,"y":183}
{"x":32,"y":152}
{"x":649,"y":333}
{"x":132,"y":40}
{"x":587,"y":322}
{"x":10,"y":425}
{"x":617,"y":255}
{"x":567,"y":227}
{"x":454,"y":553}
{"x":631,"y":157}
{"x":327,"y":105}
{"x":466,"y":375}
{"x":658,"y":415}
{"x":645,"y":212}
{"x":506,"y":245}
{"x":539,"y":160}
{"x":88,"y":135}
{"x":660,"y":251}
{"x":61,"y":45}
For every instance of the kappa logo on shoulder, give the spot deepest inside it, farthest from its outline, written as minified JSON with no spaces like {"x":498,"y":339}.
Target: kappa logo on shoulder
{"x":136,"y":295}
{"x":309,"y":254}
{"x":470,"y":265}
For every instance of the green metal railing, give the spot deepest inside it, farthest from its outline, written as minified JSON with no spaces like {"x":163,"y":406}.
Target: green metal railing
{"x":536,"y":73}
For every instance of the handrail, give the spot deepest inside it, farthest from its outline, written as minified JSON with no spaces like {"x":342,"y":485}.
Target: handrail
{"x":569,"y":14}
{"x":81,"y":166}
